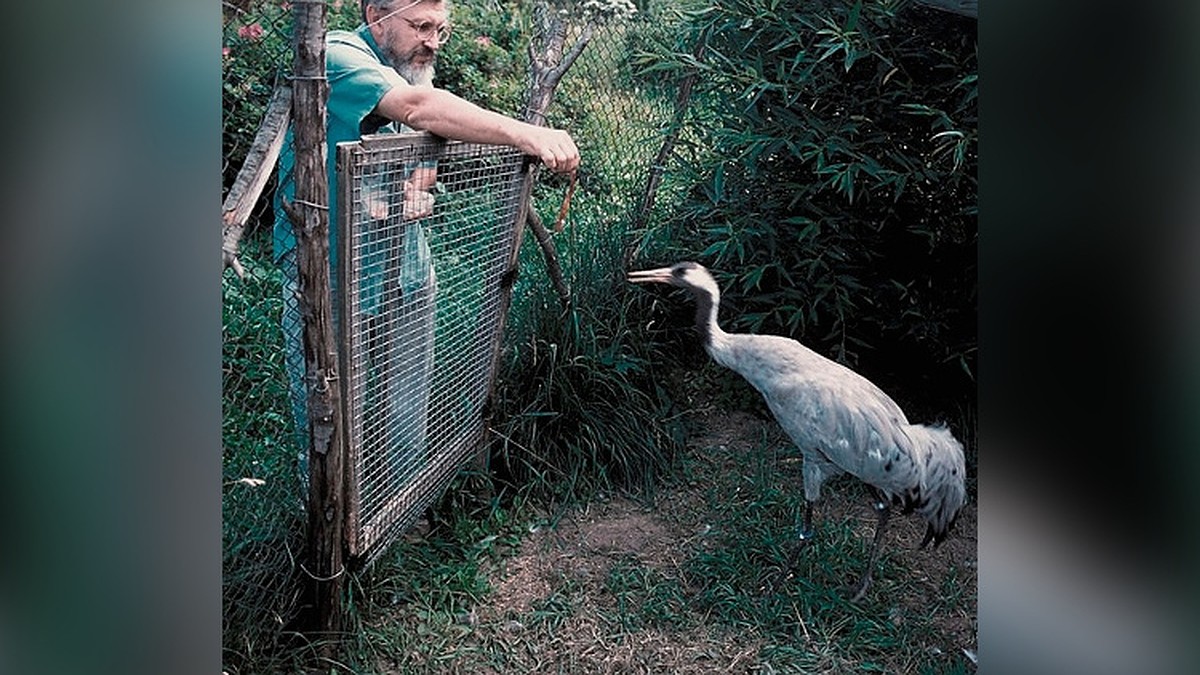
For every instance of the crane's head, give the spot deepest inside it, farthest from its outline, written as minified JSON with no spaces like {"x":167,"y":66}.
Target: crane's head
{"x":689,"y":275}
{"x":696,"y":279}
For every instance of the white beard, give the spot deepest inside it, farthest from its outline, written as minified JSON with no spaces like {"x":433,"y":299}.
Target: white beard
{"x":419,"y":77}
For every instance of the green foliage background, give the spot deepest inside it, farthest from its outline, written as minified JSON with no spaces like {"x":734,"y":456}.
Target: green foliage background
{"x":831,"y":160}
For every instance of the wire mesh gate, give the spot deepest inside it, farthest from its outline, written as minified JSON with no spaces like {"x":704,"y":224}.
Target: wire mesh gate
{"x":425,"y":237}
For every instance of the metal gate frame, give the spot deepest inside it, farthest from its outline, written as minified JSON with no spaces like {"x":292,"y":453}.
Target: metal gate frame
{"x":366,"y":537}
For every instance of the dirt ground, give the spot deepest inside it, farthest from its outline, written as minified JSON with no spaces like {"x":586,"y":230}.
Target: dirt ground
{"x":585,"y":544}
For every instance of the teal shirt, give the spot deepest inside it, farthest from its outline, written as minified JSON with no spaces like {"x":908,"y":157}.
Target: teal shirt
{"x":358,"y":79}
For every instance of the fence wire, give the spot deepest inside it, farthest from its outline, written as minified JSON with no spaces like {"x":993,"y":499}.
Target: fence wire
{"x":617,"y":117}
{"x":263,"y":502}
{"x":256,"y":50}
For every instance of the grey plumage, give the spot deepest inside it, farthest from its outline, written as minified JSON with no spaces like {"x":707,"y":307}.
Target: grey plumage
{"x":840,"y":421}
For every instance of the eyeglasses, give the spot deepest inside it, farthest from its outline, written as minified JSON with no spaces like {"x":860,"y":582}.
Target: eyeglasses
{"x":427,"y":30}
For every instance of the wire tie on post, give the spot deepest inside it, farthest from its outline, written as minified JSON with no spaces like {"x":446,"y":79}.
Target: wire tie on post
{"x":310,"y":204}
{"x":317,"y":578}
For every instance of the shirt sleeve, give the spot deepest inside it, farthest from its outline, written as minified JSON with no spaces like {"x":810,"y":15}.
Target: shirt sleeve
{"x":357,"y":81}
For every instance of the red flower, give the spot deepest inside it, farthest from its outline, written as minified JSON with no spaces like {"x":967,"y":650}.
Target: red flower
{"x":225,"y":52}
{"x":483,"y":41}
{"x":252,"y":32}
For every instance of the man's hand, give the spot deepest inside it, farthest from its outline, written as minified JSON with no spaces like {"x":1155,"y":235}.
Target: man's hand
{"x":417,"y":203}
{"x":554,"y":147}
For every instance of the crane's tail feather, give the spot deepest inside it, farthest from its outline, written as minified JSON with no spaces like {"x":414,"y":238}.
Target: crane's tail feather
{"x":928,"y":537}
{"x":937,"y":537}
{"x":944,"y":481}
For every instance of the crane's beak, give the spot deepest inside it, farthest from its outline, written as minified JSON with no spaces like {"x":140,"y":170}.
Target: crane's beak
{"x":661,"y":275}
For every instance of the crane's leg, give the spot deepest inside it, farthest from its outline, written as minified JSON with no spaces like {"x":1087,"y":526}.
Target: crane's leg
{"x":882,"y":513}
{"x":804,"y":535}
{"x":815,"y":471}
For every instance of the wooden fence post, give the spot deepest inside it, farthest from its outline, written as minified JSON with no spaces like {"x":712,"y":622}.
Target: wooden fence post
{"x":309,"y":213}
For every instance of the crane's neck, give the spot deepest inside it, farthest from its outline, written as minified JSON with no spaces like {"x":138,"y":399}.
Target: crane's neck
{"x":707,"y":303}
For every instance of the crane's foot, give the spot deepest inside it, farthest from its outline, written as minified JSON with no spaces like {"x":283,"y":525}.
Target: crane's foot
{"x":858,"y":591}
{"x":805,"y":533}
{"x":804,"y":537}
{"x":882,"y":512}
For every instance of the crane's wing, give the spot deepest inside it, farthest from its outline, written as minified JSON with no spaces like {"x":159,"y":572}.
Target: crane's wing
{"x":825,"y":407}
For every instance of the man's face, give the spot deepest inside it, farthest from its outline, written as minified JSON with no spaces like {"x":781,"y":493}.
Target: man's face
{"x":409,"y":39}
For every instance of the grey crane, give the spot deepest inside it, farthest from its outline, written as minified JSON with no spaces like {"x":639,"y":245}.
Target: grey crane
{"x":840,"y":421}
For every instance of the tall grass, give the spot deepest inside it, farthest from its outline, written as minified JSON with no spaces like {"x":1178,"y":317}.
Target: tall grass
{"x":580,"y":401}
{"x":582,"y":404}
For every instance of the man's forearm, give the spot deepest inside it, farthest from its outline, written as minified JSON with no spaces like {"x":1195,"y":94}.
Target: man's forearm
{"x":440,"y":112}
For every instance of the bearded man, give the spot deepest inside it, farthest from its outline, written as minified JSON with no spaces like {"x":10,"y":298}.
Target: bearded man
{"x":381,"y":81}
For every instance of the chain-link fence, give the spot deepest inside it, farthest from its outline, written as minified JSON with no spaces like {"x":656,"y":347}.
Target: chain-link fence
{"x":619,"y":120}
{"x":256,"y":50}
{"x":263,"y":501}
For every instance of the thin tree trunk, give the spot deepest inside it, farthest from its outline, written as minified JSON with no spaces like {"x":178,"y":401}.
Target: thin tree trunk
{"x":683,"y":98}
{"x":542,"y":235}
{"x":547,"y":68}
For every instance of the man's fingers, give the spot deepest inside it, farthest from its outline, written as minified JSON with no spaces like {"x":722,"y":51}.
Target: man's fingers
{"x":561,"y":160}
{"x":556,"y":149}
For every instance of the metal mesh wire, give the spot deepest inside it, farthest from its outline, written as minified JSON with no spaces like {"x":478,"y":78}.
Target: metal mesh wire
{"x":625,"y":112}
{"x":618,"y":116}
{"x":422,"y":316}
{"x":262,"y":499}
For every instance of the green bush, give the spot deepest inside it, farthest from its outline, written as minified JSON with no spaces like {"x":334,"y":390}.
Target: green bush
{"x":256,"y":54}
{"x":486,"y":60}
{"x":833,"y":153}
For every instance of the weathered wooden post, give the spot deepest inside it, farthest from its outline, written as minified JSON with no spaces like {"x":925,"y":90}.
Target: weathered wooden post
{"x":309,"y":212}
{"x":253,"y":176}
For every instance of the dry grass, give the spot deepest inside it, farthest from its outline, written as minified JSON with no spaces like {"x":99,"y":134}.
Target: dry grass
{"x":690,"y":582}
